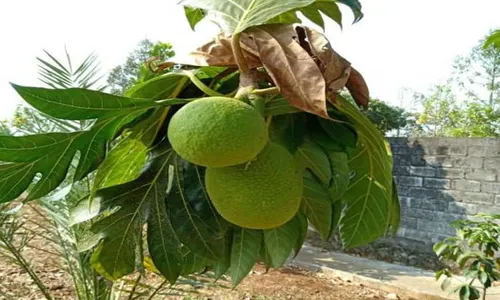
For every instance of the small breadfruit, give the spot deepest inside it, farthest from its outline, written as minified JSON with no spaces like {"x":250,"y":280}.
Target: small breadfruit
{"x":261,"y":194}
{"x":217,"y":132}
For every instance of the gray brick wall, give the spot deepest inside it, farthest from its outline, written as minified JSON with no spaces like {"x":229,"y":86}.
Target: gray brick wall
{"x":441,"y":180}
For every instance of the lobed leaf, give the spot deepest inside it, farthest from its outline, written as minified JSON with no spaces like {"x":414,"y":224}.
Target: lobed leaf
{"x":196,"y":229}
{"x":368,"y":199}
{"x":119,"y":234}
{"x":50,"y":155}
{"x":81,"y":104}
{"x":238,"y":15}
{"x":194,"y":16}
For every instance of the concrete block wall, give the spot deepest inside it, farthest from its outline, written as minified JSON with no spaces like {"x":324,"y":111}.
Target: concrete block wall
{"x":441,"y":180}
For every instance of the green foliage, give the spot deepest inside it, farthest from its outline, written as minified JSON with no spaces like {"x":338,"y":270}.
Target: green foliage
{"x":385,"y":117}
{"x":443,"y":116}
{"x":478,"y":74}
{"x":136,"y":68}
{"x":236,"y":16}
{"x":141,"y":194}
{"x":468,"y":105}
{"x":474,"y":250}
{"x":492,"y":40}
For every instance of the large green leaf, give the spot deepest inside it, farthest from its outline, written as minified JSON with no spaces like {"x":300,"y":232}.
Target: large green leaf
{"x":327,"y":7}
{"x":317,"y":205}
{"x":81,"y":104}
{"x":302,"y":228}
{"x":493,"y":39}
{"x":222,"y":265}
{"x":340,"y":174}
{"x":123,"y":163}
{"x":288,"y":130}
{"x":368,"y":199}
{"x":163,"y":244}
{"x":355,"y":6}
{"x":310,"y":155}
{"x":280,"y":241}
{"x":279,"y":106}
{"x":197,"y":225}
{"x":119,"y":234}
{"x":237,"y":15}
{"x":244,"y":253}
{"x":193,"y":263}
{"x":50,"y":155}
{"x":162,"y":87}
{"x":194,"y":15}
{"x":339,"y":132}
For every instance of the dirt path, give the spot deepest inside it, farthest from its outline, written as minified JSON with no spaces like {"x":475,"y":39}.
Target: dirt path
{"x":285,"y":283}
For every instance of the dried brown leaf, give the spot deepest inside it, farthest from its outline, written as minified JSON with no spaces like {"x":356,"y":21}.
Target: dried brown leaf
{"x":219,"y":52}
{"x":291,"y":67}
{"x":334,"y":67}
{"x":358,"y":88}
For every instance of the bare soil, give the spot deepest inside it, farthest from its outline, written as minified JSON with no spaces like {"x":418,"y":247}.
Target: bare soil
{"x":285,"y":283}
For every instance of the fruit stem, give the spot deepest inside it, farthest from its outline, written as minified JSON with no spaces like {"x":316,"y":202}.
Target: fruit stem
{"x":203,"y":87}
{"x":238,"y":54}
{"x":267,"y":91}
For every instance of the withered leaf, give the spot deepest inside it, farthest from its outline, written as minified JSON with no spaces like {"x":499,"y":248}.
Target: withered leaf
{"x":358,"y":88}
{"x":334,"y":67}
{"x":291,"y":67}
{"x":219,"y":52}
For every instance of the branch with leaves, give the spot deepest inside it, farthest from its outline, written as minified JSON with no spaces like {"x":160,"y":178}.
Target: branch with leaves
{"x":288,"y":73}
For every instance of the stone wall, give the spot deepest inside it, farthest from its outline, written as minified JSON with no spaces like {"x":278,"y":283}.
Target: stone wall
{"x":441,"y":180}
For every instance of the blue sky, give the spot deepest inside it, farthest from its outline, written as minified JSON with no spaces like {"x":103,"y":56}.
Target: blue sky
{"x":399,"y":44}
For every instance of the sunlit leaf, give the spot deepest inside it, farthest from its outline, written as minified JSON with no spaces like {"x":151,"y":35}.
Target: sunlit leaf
{"x":238,"y":15}
{"x":81,"y":104}
{"x":50,"y":155}
{"x":193,"y":15}
{"x":123,"y":163}
{"x":368,"y":199}
{"x":161,"y":87}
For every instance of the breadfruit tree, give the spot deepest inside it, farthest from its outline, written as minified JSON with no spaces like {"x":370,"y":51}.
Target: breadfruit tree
{"x":224,"y":161}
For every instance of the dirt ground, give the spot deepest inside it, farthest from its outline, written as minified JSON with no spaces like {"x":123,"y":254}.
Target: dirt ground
{"x":286,"y":283}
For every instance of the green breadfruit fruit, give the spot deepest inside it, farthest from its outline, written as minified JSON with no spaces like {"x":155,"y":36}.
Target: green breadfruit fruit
{"x":261,"y":194}
{"x":217,"y":132}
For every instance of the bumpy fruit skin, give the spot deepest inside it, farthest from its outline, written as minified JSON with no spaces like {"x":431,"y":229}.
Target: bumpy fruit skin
{"x":262,"y":194}
{"x":217,"y":132}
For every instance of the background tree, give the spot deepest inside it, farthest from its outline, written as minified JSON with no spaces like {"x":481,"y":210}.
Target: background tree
{"x":468,"y":105}
{"x":135,"y":69}
{"x":386,"y":117}
{"x":478,"y":73}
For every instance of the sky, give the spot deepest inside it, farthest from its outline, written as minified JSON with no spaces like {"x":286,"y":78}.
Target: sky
{"x":399,"y":44}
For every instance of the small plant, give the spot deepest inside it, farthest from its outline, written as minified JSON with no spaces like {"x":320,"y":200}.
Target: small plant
{"x":474,"y":250}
